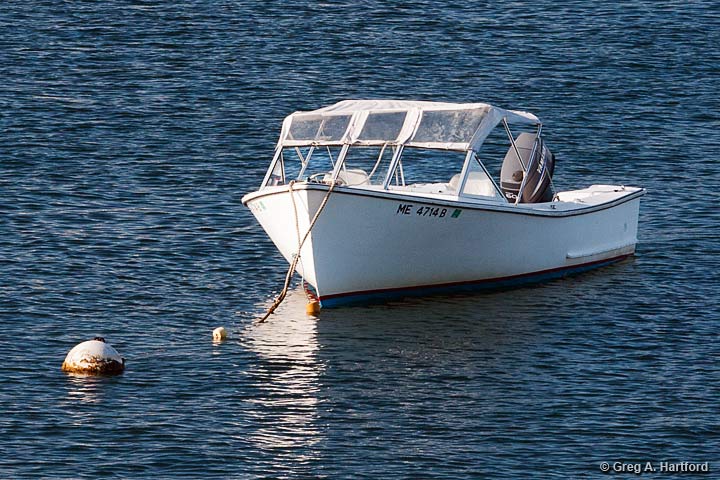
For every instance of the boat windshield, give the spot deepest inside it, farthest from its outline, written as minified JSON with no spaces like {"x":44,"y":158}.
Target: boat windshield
{"x":412,"y":145}
{"x":366,"y":165}
{"x":362,"y":165}
{"x":416,"y":169}
{"x":303,"y":164}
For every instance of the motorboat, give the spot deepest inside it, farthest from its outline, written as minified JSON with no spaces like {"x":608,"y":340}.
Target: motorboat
{"x":372,"y":199}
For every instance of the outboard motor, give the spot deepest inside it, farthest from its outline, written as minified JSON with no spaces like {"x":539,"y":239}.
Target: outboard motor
{"x":540,"y":168}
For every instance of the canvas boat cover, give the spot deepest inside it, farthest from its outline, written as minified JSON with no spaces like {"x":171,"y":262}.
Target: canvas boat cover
{"x":451,"y":126}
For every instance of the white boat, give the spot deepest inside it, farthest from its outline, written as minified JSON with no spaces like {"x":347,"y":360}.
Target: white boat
{"x":403,"y":202}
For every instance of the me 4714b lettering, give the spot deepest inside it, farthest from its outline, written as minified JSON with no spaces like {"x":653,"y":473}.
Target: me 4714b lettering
{"x":431,"y":212}
{"x":438,"y":212}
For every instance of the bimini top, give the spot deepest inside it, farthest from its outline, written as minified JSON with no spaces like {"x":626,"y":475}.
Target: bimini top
{"x":451,"y":126}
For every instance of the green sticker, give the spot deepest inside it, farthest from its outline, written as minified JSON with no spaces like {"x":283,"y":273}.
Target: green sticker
{"x":456,"y":213}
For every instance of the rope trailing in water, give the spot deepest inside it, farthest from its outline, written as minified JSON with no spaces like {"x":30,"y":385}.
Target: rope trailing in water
{"x":296,"y":258}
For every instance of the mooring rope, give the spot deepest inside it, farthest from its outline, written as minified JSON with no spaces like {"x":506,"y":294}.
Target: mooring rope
{"x":295,"y":260}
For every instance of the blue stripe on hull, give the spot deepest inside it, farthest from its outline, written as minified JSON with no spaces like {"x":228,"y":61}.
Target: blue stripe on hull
{"x":375,"y":296}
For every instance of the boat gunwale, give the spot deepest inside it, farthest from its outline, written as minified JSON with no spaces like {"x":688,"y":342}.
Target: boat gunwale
{"x":520,"y":209}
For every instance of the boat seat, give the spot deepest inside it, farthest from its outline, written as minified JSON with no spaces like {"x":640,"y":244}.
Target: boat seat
{"x":423,"y":188}
{"x":350,"y":176}
{"x":477,"y":184}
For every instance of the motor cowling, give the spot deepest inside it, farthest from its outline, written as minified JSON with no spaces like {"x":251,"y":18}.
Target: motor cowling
{"x":540,"y":168}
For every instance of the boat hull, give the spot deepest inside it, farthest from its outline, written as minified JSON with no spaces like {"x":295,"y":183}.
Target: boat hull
{"x":370,"y":245}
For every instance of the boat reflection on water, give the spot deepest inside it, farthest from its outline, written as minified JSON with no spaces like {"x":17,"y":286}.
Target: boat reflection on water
{"x":297,"y":350}
{"x":286,"y":376}
{"x":415,"y":372}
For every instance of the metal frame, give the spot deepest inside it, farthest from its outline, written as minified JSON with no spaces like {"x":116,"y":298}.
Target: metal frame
{"x":464,"y":171}
{"x":340,"y":162}
{"x":396,"y":162}
{"x":377,"y":163}
{"x":393,"y":165}
{"x":532,"y":155}
{"x":274,"y":161}
{"x":514,"y":145}
{"x":305,"y":161}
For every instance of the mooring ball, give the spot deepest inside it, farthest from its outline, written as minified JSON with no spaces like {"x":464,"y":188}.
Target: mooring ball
{"x":219,"y":334}
{"x":94,"y":357}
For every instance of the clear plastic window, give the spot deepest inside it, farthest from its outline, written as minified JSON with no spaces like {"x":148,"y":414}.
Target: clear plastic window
{"x":382,"y":126}
{"x":366,"y":165}
{"x":319,"y":128}
{"x":421,"y":166}
{"x":321,"y":164}
{"x":493,"y":150}
{"x":304,"y":163}
{"x":448,"y":126}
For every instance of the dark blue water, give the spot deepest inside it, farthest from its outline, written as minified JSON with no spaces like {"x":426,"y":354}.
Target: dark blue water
{"x":129,"y":131}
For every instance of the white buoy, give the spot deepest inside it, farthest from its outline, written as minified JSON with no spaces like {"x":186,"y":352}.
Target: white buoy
{"x":94,"y":357}
{"x":219,"y":334}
